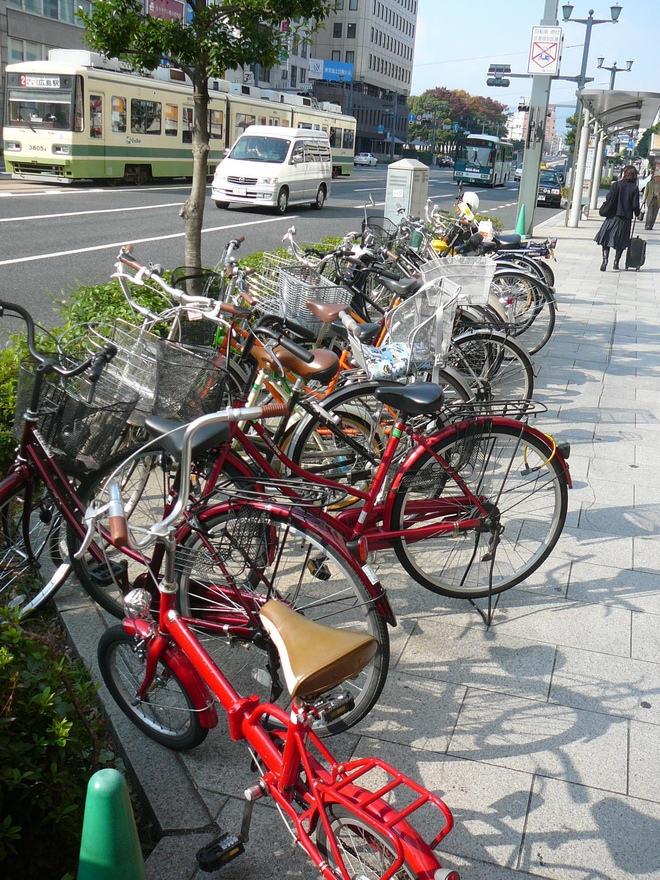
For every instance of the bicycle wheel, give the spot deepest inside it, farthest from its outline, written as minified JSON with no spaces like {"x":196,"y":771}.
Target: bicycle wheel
{"x":495,"y":367}
{"x":243,"y":555}
{"x":28,"y":525}
{"x":515,"y":474}
{"x":166,"y":713}
{"x":367,"y":853}
{"x":531,"y":306}
{"x":145,"y":477}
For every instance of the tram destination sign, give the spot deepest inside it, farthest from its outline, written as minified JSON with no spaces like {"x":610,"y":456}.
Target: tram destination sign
{"x":30,"y":81}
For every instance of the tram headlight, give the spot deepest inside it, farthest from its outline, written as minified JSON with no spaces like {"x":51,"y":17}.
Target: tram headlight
{"x":62,"y":149}
{"x":13,"y":146}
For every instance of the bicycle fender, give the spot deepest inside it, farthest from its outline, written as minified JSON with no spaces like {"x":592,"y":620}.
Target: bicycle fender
{"x":184,"y":670}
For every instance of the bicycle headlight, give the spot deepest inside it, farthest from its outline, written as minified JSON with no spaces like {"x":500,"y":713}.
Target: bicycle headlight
{"x":137,"y":604}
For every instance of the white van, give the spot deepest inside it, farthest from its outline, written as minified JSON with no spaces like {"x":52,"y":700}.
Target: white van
{"x":277,"y":166}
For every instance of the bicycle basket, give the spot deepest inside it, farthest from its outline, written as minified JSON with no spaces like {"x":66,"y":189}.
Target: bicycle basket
{"x":383,"y":230}
{"x":81,"y":435}
{"x":134,"y":365}
{"x":190,"y":381}
{"x":298,"y":285}
{"x":474,"y":274}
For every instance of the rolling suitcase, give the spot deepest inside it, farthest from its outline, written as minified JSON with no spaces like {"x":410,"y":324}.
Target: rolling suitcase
{"x":636,"y":253}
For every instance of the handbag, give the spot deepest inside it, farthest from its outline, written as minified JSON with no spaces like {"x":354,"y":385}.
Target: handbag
{"x":608,"y":208}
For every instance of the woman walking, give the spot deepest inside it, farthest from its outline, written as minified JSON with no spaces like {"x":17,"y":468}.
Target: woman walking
{"x":618,"y":208}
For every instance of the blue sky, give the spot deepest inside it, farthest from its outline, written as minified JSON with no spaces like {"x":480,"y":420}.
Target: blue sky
{"x":456,"y":41}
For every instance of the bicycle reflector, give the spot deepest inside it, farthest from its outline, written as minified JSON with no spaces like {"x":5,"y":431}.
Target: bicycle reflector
{"x":359,"y":548}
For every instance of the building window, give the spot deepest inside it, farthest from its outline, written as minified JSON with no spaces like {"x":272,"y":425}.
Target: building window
{"x":302,"y":75}
{"x":336,"y":30}
{"x":295,"y":44}
{"x":293,"y":76}
{"x":336,"y":55}
{"x":350,"y":31}
{"x":24,"y":50}
{"x":303,"y":49}
{"x":339,"y":4}
{"x":350,"y":58}
{"x":352,"y":4}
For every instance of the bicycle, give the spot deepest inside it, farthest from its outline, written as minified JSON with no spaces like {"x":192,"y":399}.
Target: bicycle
{"x":167,"y":684}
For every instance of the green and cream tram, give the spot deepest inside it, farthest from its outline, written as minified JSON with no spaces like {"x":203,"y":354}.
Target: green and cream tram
{"x":67,"y":121}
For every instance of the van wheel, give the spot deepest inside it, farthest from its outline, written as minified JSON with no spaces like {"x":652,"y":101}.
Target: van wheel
{"x":319,"y":201}
{"x":282,"y":201}
{"x":222,"y":205}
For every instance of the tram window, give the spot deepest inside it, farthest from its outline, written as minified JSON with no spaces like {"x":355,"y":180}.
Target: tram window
{"x":145,"y":116}
{"x":171,"y":120}
{"x":335,"y":137}
{"x":96,"y":116}
{"x":187,"y":125}
{"x":349,"y":138}
{"x":215,"y":124}
{"x":242,"y":122}
{"x":118,"y":114}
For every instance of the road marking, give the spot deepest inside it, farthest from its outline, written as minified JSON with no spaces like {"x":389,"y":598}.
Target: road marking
{"x":105,"y":247}
{"x":83,"y":213}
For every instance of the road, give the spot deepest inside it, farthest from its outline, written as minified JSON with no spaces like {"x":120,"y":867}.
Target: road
{"x":56,"y":238}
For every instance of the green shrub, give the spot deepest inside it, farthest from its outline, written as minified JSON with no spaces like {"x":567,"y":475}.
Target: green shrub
{"x":51,"y":742}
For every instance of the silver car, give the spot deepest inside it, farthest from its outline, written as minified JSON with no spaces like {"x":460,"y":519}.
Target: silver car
{"x":365,"y":159}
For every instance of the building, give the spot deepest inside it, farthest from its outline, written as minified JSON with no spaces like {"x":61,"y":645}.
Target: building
{"x":29,"y":28}
{"x":519,"y":121}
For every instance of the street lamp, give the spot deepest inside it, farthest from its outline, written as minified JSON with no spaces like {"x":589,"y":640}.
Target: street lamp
{"x":613,"y":69}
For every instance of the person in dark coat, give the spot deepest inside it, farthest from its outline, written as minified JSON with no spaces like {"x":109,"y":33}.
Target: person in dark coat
{"x":622,"y":202}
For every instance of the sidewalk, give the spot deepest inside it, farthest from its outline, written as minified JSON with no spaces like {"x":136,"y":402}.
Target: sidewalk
{"x":543,"y":732}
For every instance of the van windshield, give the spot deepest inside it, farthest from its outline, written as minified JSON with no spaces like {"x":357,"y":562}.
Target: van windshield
{"x":260,"y":149}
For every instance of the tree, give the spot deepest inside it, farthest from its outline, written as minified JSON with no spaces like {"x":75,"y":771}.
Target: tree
{"x":455,"y":107}
{"x":219,"y":36}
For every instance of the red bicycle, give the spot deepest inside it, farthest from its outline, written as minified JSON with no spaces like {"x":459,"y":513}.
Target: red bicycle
{"x":353,"y":819}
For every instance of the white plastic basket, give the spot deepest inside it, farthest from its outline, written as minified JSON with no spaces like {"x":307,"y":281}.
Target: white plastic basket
{"x":474,"y":274}
{"x":299,"y":285}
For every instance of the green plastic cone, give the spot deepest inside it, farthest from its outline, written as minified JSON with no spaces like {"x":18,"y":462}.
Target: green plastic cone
{"x":109,"y":848}
{"x":520,"y":225}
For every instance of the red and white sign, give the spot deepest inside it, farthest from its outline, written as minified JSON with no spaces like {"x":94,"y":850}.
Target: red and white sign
{"x":167,"y":9}
{"x":544,"y":51}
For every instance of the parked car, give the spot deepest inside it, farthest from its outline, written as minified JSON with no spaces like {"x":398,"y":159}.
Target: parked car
{"x":517,"y":174}
{"x":365,"y":159}
{"x":549,"y":189}
{"x":444,"y":162}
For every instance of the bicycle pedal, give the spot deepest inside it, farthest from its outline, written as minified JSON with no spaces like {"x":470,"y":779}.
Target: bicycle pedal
{"x":319,"y":569}
{"x":104,"y":573}
{"x":220,"y":851}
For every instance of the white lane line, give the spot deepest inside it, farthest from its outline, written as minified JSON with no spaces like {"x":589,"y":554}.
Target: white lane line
{"x":83,"y":213}
{"x":65,"y":190}
{"x":118,"y":244}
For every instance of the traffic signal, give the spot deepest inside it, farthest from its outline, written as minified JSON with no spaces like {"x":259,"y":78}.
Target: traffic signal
{"x":496,"y":75}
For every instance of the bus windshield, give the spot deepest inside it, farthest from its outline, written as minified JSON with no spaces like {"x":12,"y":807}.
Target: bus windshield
{"x":260,"y":149}
{"x":476,"y":154}
{"x":40,"y":101}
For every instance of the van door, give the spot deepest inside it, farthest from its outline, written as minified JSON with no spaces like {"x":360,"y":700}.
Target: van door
{"x":297,"y":173}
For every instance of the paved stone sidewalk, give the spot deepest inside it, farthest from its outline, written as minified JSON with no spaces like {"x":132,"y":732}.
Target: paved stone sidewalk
{"x":542,"y":733}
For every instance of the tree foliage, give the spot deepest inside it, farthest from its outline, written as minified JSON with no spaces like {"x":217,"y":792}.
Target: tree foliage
{"x":220,"y":36}
{"x":454,"y":108}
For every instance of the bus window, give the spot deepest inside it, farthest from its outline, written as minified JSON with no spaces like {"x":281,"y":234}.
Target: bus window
{"x":171,"y":120}
{"x":349,"y":138}
{"x":215,"y":123}
{"x":96,"y":116}
{"x":118,"y":114}
{"x":187,"y":125}
{"x":145,"y":116}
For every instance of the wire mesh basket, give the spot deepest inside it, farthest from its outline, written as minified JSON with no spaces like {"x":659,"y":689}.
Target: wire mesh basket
{"x":474,"y":274}
{"x":190,"y":381}
{"x":383,"y":230}
{"x":299,"y":285}
{"x":263,"y":293}
{"x":81,"y":434}
{"x":134,"y":365}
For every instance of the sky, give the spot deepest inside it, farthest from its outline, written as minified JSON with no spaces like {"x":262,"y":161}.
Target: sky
{"x":457,"y":41}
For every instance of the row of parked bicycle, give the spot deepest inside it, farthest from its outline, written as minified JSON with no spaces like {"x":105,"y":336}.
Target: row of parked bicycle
{"x":224,"y":473}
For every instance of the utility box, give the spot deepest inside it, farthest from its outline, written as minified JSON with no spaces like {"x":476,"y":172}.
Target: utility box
{"x":407,"y":187}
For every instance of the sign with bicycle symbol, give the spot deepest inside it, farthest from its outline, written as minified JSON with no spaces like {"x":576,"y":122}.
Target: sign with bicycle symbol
{"x":544,"y":51}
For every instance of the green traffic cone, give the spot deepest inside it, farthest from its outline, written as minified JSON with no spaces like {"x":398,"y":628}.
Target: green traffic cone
{"x":520,"y":225}
{"x":109,"y":848}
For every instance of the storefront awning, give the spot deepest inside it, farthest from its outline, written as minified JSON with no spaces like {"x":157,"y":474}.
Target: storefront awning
{"x":621,"y":110}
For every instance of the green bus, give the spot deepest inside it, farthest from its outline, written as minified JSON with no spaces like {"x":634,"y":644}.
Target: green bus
{"x":485,"y":160}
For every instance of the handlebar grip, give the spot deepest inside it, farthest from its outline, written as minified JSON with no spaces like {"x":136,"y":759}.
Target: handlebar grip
{"x":274,"y":410}
{"x":240,"y":239}
{"x":303,"y":353}
{"x":117,"y":517}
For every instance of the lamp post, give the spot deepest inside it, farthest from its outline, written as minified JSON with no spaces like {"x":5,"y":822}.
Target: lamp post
{"x":577,"y":180}
{"x":614,"y":69}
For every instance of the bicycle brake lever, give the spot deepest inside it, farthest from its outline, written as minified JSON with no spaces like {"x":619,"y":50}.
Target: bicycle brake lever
{"x":91,"y":515}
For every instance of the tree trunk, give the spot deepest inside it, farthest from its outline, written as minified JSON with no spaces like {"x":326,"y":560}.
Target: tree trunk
{"x":193,"y":208}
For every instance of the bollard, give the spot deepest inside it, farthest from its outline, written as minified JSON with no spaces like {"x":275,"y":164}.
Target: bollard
{"x":109,"y":847}
{"x":520,"y":225}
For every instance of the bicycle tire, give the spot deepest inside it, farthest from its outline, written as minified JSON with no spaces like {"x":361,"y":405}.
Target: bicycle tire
{"x":494,"y":365}
{"x":260,"y":554}
{"x":512,"y":469}
{"x":166,"y":714}
{"x":323,"y":449}
{"x":532,"y":306}
{"x":367,"y":853}
{"x":23,"y":577}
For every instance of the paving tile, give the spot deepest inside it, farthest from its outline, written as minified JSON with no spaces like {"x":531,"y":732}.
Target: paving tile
{"x":644,"y":761}
{"x":634,"y":590}
{"x":579,"y":833}
{"x":645,"y":642}
{"x":587,"y":545}
{"x":541,"y":738}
